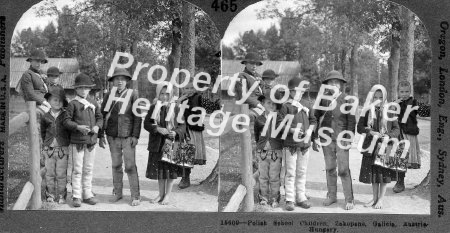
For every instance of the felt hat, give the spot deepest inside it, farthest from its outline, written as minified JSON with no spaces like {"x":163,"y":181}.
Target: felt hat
{"x":53,"y":71}
{"x":120,"y":72}
{"x":37,"y":55}
{"x":252,"y":57}
{"x":269,"y":74}
{"x":58,"y":92}
{"x":266,"y":95}
{"x":334,"y":74}
{"x":83,"y":80}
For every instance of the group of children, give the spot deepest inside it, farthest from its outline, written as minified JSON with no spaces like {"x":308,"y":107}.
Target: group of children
{"x":282,"y":163}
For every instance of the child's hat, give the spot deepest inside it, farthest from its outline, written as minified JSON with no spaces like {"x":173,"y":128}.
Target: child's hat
{"x":120,"y":72}
{"x":83,"y":80}
{"x":37,"y":55}
{"x":54,"y":71}
{"x":334,"y":74}
{"x":58,"y":92}
{"x":269,"y":74}
{"x":253,"y":58}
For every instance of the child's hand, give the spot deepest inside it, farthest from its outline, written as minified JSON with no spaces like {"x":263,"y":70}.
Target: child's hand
{"x":84,"y":129}
{"x":102,"y":142}
{"x":162,"y":131}
{"x":95,"y":129}
{"x":316,"y":145}
{"x":172,"y":134}
{"x":134,"y":141}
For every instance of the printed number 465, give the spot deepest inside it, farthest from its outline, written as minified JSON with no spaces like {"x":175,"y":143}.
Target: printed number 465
{"x":224,"y":5}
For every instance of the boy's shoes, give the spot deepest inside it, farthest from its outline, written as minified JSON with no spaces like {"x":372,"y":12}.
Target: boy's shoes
{"x":62,"y":199}
{"x":184,"y":183}
{"x":290,"y":206}
{"x":76,"y":202}
{"x":304,"y":204}
{"x":274,"y":204}
{"x":116,"y":198}
{"x":329,"y":201}
{"x":90,"y":201}
{"x":399,"y":187}
{"x":50,"y":199}
{"x":263,"y":202}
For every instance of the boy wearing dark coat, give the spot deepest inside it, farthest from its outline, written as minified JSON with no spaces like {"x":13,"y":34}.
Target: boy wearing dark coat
{"x":84,"y":120}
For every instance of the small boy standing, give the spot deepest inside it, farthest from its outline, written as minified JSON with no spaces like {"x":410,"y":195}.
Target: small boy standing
{"x":55,"y":146}
{"x":296,"y":154}
{"x":268,"y":150}
{"x":84,"y":120}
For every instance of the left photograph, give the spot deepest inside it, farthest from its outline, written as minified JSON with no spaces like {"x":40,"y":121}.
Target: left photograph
{"x":110,"y":107}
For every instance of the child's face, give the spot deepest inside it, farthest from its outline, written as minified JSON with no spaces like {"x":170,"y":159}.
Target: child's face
{"x":378,"y":95}
{"x":55,"y":102}
{"x":53,"y":78}
{"x":120,"y":82}
{"x":269,"y":81}
{"x":189,"y":89}
{"x":163,"y":95}
{"x":251,"y":66}
{"x":269,"y":105}
{"x":35,"y":63}
{"x":83,"y":91}
{"x":404,"y":92}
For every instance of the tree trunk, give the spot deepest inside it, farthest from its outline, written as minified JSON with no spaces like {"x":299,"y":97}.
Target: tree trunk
{"x":213,"y":177}
{"x":133,"y":51}
{"x":342,"y":61}
{"x":188,"y":40}
{"x":353,"y":75}
{"x":406,"y":66}
{"x":393,"y":66}
{"x":173,"y":60}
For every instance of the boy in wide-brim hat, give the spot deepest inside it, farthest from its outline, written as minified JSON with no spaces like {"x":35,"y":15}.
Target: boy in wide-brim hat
{"x":251,"y":77}
{"x":53,"y":74}
{"x":335,"y":156}
{"x":268,"y":78}
{"x":55,"y":146}
{"x":122,"y":132}
{"x":296,"y":154}
{"x":269,"y":152}
{"x":83,"y":120}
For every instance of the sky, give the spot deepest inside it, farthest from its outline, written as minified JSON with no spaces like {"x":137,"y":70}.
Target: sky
{"x":29,"y":18}
{"x":246,"y":20}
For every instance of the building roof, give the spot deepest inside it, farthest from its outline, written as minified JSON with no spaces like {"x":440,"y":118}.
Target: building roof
{"x":68,"y":66}
{"x":286,"y":70}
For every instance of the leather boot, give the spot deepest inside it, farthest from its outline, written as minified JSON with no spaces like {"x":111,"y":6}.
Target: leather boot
{"x":117,"y":195}
{"x":400,"y":185}
{"x":184,"y":183}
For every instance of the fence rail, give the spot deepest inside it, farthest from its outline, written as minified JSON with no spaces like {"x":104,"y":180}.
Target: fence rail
{"x":31,"y":192}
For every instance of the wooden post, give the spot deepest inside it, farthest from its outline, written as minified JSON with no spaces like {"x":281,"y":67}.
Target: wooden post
{"x":35,"y":170}
{"x":246,"y":164}
{"x":24,"y":197}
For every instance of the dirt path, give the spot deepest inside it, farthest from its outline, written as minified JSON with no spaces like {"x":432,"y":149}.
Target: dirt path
{"x":195,"y":198}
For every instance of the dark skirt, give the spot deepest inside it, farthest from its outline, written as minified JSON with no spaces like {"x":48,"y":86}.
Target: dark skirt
{"x":370,"y":173}
{"x":200,"y":149}
{"x":157,"y":169}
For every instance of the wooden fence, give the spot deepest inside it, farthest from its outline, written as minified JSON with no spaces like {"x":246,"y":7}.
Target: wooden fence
{"x":244,"y":192}
{"x":31,"y":192}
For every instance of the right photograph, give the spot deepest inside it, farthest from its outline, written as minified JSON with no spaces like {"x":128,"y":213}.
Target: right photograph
{"x":329,"y":104}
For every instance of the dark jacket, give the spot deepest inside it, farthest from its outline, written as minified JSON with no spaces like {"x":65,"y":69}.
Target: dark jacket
{"x":410,"y":126}
{"x":156,"y":140}
{"x":52,"y":128}
{"x":392,"y":127}
{"x":121,"y":125}
{"x":335,"y":119}
{"x":76,"y":115}
{"x":32,"y":86}
{"x":275,"y":143}
{"x":194,"y":101}
{"x":250,"y":79}
{"x":306,"y":119}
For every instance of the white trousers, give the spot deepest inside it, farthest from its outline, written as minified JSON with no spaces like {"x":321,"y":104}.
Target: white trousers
{"x":295,"y":179}
{"x":83,"y":166}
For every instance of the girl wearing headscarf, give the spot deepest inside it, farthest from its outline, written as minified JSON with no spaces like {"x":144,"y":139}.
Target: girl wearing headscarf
{"x":162,"y":128}
{"x":373,"y":124}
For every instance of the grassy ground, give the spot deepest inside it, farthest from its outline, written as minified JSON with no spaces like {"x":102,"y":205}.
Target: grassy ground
{"x":18,"y":161}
